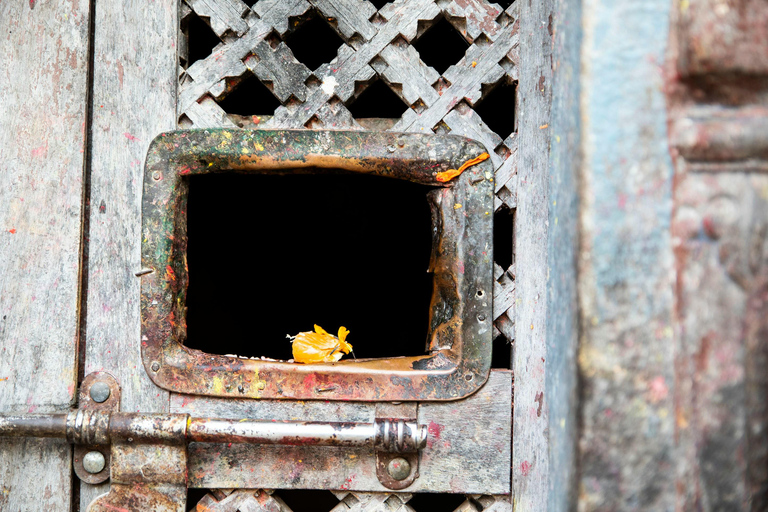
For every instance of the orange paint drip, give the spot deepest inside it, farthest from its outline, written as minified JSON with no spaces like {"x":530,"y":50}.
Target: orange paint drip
{"x":319,"y":346}
{"x":452,"y":173}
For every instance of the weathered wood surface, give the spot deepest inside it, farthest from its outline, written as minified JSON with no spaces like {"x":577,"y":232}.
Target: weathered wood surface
{"x":456,"y":459}
{"x":134,"y":99}
{"x":43,"y":65}
{"x":627,"y":457}
{"x":718,"y":126}
{"x":530,"y":461}
{"x":562,"y":248}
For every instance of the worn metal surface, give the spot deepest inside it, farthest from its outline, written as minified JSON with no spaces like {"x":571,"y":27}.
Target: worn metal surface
{"x":467,"y":451}
{"x":460,"y":314}
{"x":110,"y":391}
{"x":145,"y":477}
{"x":397,"y":471}
{"x":99,"y":428}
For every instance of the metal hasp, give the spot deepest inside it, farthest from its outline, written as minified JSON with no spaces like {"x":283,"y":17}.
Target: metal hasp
{"x":460,"y":329}
{"x":103,"y":428}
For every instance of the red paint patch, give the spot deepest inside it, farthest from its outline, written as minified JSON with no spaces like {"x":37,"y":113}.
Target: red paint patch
{"x":658,"y":390}
{"x":40,"y":151}
{"x":525,"y":468}
{"x":131,"y":137}
{"x":32,"y":4}
{"x":12,"y":231}
{"x":435,"y":430}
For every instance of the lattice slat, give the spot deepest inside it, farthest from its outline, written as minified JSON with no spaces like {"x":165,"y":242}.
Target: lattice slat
{"x":240,"y":500}
{"x":372,"y":502}
{"x":253,"y":500}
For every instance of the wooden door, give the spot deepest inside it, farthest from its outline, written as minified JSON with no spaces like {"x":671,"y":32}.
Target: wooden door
{"x":109,"y":78}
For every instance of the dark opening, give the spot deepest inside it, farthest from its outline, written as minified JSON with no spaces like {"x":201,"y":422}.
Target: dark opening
{"x":504,"y":4}
{"x":503,"y":232}
{"x":250,"y":3}
{"x":271,"y":255}
{"x":441,"y":46}
{"x":194,"y":496}
{"x":426,"y":502}
{"x":314,"y":42}
{"x":300,"y":500}
{"x":497,"y":109}
{"x":201,"y":39}
{"x":379,"y":3}
{"x":250,"y":97}
{"x":377,"y":100}
{"x":501,"y":357}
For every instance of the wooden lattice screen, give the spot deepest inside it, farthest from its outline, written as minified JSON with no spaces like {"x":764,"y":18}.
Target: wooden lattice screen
{"x":231,"y":47}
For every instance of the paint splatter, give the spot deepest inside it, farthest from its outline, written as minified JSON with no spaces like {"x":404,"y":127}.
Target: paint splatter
{"x":12,"y":231}
{"x":131,"y":137}
{"x":452,"y":173}
{"x":525,"y":468}
{"x":658,"y":390}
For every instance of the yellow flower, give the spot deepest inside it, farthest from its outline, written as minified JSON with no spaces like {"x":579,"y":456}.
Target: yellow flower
{"x":319,"y":346}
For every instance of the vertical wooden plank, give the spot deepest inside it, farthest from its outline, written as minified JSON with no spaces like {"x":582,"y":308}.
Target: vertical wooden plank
{"x":530,"y":462}
{"x":627,"y":453}
{"x":562,"y":298}
{"x":43,"y":69}
{"x":134,"y":99}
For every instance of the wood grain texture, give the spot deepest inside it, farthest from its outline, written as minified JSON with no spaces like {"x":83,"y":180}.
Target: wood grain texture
{"x":464,"y":436}
{"x":134,"y":99}
{"x":530,"y":460}
{"x":562,"y":248}
{"x":627,"y":456}
{"x":43,"y":69}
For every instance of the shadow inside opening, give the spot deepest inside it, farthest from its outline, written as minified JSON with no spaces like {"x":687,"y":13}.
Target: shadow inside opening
{"x":271,"y":255}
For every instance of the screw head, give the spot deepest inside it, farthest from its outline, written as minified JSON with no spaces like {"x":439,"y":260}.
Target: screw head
{"x":100,"y":392}
{"x":94,"y":462}
{"x":399,"y":468}
{"x":481,"y":317}
{"x":157,"y":175}
{"x":155,"y":366}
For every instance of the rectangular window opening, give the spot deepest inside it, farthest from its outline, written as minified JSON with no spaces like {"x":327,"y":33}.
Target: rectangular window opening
{"x":272,"y":255}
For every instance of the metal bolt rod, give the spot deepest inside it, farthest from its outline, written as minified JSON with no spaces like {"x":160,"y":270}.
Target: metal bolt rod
{"x":33,"y":425}
{"x":281,"y":432}
{"x":102,"y":427}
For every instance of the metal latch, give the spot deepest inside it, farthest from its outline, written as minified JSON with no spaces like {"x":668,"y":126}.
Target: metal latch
{"x":150,"y":449}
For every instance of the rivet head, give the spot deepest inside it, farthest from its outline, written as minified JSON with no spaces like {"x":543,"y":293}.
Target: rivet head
{"x":94,"y":462}
{"x":155,"y":366}
{"x":99,"y":392}
{"x":157,"y":175}
{"x":481,"y":317}
{"x":399,"y":468}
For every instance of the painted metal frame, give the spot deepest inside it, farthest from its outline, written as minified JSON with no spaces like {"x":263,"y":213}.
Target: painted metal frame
{"x":460,"y":329}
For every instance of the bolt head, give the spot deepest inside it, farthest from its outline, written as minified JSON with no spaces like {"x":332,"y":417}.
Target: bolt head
{"x":399,"y":468}
{"x":155,"y":366}
{"x":94,"y":462}
{"x":100,"y":392}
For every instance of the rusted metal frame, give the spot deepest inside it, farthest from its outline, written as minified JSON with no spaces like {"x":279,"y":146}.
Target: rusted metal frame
{"x":461,"y":311}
